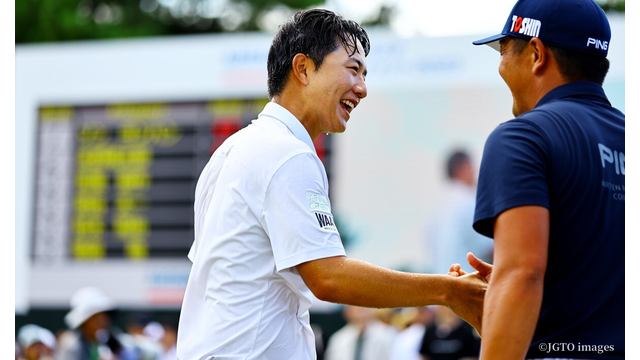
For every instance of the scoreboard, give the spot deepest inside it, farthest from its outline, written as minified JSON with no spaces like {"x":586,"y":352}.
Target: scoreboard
{"x":117,"y":181}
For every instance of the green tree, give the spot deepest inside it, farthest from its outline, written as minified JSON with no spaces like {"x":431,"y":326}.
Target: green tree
{"x":611,"y":5}
{"x":64,"y":20}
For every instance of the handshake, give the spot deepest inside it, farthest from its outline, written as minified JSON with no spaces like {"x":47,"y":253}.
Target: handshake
{"x":484,"y":269}
{"x":468,"y":302}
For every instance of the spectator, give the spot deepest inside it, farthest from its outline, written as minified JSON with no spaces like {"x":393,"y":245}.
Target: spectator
{"x":166,"y":336}
{"x":35,"y":343}
{"x":449,"y":338}
{"x":93,"y":336}
{"x":364,"y":337}
{"x":406,"y":345}
{"x":451,"y":235}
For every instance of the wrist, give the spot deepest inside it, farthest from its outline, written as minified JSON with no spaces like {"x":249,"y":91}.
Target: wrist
{"x":447,"y":291}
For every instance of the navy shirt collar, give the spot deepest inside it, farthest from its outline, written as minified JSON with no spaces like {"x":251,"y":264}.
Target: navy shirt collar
{"x":588,"y":89}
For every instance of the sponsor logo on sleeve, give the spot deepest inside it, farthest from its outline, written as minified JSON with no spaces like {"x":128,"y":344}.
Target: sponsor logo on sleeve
{"x":325,"y":222}
{"x":319,"y":205}
{"x":525,"y":26}
{"x":318,"y":202}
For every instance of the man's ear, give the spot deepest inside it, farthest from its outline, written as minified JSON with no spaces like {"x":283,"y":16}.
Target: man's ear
{"x":302,"y":66}
{"x":539,"y":56}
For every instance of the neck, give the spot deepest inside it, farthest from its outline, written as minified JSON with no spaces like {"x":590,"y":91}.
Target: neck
{"x":546,"y":84}
{"x":296,"y":106}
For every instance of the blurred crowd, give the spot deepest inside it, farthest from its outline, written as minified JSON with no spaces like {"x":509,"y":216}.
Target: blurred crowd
{"x":91,"y":334}
{"x":427,"y":333}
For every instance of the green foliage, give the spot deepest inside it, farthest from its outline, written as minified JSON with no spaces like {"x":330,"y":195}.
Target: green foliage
{"x":65,"y":20}
{"x":611,"y":5}
{"x":384,"y":16}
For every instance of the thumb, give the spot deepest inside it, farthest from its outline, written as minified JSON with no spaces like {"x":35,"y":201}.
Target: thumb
{"x":483,"y":268}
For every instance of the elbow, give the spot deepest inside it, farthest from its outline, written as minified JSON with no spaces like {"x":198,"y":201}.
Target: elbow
{"x":324,"y":288}
{"x":325,"y":278}
{"x":529,"y":275}
{"x":534,"y":271}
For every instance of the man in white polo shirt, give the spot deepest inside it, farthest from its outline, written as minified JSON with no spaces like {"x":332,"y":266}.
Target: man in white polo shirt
{"x":265,"y":238}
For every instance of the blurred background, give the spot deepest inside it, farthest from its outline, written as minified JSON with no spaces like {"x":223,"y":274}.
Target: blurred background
{"x":119,"y":104}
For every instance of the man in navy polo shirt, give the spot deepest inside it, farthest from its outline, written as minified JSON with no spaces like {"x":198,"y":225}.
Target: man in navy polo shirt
{"x":551,"y":191}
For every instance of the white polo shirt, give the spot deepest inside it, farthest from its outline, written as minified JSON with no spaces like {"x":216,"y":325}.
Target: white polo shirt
{"x":262,"y":207}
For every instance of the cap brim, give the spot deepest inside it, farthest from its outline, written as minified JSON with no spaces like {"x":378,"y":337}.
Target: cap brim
{"x":492,"y":41}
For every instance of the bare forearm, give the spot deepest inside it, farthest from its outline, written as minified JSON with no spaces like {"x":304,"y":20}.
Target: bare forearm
{"x":354,"y":282}
{"x":511,"y":310}
{"x":359,"y":283}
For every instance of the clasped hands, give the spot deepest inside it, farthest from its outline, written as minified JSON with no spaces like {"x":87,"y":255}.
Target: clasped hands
{"x":482,"y":267}
{"x":468,"y":304}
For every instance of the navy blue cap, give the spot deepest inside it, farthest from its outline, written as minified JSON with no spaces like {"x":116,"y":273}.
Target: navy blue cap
{"x":572,"y":24}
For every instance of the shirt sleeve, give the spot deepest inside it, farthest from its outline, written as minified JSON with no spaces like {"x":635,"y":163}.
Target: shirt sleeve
{"x":297,"y":214}
{"x":513,"y":172}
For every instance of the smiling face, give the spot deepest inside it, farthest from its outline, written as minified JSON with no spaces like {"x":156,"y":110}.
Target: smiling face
{"x":513,"y":71}
{"x":334,"y":90}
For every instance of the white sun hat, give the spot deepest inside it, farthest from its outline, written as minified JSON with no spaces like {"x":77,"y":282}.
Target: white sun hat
{"x":85,"y":303}
{"x":31,"y":334}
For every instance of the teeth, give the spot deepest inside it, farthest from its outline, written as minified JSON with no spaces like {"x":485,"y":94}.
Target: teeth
{"x":348,"y":103}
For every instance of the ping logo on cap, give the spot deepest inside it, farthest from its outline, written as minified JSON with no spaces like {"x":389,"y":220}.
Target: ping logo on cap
{"x":525,"y":26}
{"x":599,"y":44}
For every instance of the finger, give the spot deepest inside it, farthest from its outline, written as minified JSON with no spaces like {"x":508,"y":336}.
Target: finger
{"x":455,"y":267}
{"x":483,"y":268}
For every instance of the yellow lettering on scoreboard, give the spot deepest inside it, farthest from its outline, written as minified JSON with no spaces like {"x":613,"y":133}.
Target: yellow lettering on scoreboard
{"x":120,"y":160}
{"x":56,"y":113}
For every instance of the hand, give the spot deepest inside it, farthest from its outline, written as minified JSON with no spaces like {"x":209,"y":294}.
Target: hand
{"x":468,"y":298}
{"x":482,"y":267}
{"x":455,"y":270}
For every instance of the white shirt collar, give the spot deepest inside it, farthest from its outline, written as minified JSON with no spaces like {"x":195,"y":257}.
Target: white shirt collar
{"x":278,"y":112}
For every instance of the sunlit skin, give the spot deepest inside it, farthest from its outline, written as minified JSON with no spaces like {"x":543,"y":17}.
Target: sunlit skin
{"x":314,"y":95}
{"x":514,"y":76}
{"x":530,"y":74}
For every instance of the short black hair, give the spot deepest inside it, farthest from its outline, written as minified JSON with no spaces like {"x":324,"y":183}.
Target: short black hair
{"x":314,"y":33}
{"x":574,"y":65}
{"x":580,"y":66}
{"x":456,"y":159}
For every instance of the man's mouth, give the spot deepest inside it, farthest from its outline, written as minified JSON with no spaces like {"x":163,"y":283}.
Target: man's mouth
{"x":348,"y":105}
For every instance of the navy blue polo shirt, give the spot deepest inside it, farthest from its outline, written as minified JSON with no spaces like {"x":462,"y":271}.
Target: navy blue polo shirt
{"x":567,"y":155}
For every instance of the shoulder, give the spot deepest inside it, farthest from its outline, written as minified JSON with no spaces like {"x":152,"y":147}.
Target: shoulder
{"x":528,"y":128}
{"x":267,"y":139}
